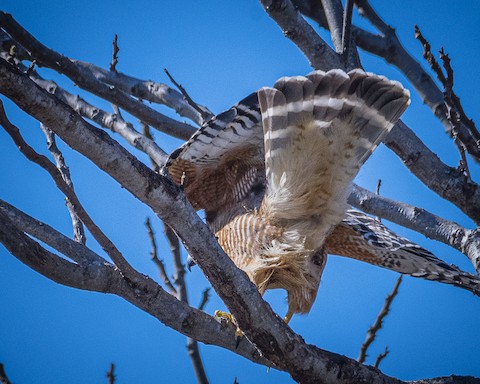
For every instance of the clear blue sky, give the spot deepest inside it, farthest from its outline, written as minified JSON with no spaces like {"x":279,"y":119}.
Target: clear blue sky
{"x":221,"y":51}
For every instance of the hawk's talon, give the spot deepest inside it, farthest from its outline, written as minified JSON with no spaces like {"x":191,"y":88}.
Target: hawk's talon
{"x":229,"y":317}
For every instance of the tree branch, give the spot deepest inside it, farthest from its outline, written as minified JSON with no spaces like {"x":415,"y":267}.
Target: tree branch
{"x":86,"y":80}
{"x":347,"y":27}
{"x":43,"y":162}
{"x":381,"y":356}
{"x":378,"y":323}
{"x":334,"y":12}
{"x":159,"y":263}
{"x":113,"y":64}
{"x":192,"y":345}
{"x":423,"y":83}
{"x":78,"y":230}
{"x":449,"y":183}
{"x":43,"y":232}
{"x":294,"y":26}
{"x":98,"y":277}
{"x":204,"y":112}
{"x":420,"y":220}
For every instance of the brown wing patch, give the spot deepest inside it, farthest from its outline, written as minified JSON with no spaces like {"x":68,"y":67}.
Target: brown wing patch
{"x":211,"y":187}
{"x":345,"y":241}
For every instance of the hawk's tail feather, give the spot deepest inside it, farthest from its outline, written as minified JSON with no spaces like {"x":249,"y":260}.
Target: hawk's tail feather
{"x":363,"y":238}
{"x":318,"y":131}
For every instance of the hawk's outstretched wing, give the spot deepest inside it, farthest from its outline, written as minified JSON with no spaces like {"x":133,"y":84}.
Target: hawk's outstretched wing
{"x":364,"y":238}
{"x":220,"y":163}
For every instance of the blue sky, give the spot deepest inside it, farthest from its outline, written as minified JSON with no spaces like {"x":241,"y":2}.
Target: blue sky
{"x":221,"y":51}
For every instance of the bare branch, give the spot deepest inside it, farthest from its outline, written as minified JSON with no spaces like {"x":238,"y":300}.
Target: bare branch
{"x":365,"y":10}
{"x":339,"y":24}
{"x":454,"y":112}
{"x":377,"y":192}
{"x":429,"y":57}
{"x":78,"y":231}
{"x":145,"y":90}
{"x":177,"y":261}
{"x":43,"y":232}
{"x":192,"y":345}
{"x":98,"y":277}
{"x":294,"y":26}
{"x":198,"y":366}
{"x":420,"y":220}
{"x":333,"y":12}
{"x":111,"y":372}
{"x":42,"y":161}
{"x":347,"y":27}
{"x":449,"y":183}
{"x":154,"y":301}
{"x":205,"y":298}
{"x":381,"y":356}
{"x":206,"y":114}
{"x":159,"y":263}
{"x":377,"y":325}
{"x":113,"y":122}
{"x":396,"y":54}
{"x":113,"y":64}
{"x":453,"y":379}
{"x":86,"y":80}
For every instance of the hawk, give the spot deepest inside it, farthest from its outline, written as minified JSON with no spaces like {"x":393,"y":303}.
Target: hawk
{"x":273,"y":174}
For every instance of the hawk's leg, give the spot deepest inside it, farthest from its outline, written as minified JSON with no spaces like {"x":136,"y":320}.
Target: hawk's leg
{"x":288,"y":316}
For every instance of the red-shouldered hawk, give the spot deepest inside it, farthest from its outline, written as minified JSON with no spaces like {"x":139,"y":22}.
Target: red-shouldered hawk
{"x":274,"y":179}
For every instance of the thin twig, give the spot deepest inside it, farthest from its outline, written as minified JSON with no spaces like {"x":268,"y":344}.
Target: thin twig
{"x":205,"y":113}
{"x":111,"y":374}
{"x":347,"y":27}
{"x":454,"y":111}
{"x":159,"y":263}
{"x":31,"y":68}
{"x":381,"y":356}
{"x":192,"y":345}
{"x":113,"y":64}
{"x":78,"y":230}
{"x":149,"y":136}
{"x":427,"y":55}
{"x":179,"y":278}
{"x":377,"y":192}
{"x":3,"y":375}
{"x":452,"y":103}
{"x":377,"y":325}
{"x":205,"y":297}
